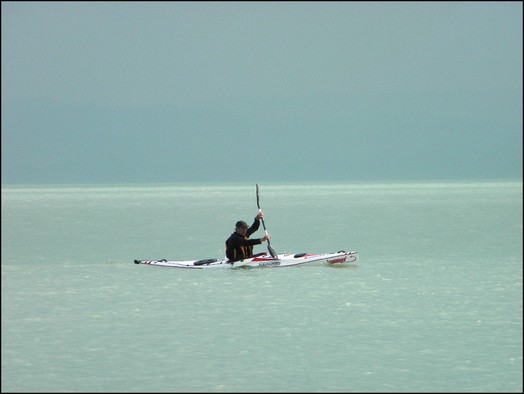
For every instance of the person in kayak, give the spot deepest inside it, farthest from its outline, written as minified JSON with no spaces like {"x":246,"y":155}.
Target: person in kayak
{"x":238,"y":245}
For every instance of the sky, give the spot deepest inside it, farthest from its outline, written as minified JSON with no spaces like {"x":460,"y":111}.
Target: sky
{"x":218,"y":92}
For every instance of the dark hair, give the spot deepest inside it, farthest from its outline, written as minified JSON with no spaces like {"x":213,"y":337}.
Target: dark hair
{"x":241,"y":223}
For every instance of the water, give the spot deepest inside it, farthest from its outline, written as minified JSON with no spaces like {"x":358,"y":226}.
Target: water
{"x":434,"y":306}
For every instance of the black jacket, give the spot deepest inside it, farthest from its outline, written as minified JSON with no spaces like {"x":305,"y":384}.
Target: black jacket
{"x":239,"y":247}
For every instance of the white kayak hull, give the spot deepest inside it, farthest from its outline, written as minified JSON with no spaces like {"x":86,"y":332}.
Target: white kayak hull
{"x":262,"y":261}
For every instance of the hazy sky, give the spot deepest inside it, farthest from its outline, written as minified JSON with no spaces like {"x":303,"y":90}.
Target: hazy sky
{"x":117,"y":92}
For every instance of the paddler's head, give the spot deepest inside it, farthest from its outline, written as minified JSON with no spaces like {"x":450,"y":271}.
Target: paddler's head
{"x":241,"y":227}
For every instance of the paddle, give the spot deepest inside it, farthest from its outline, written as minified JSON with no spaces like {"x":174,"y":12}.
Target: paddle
{"x":271,"y":250}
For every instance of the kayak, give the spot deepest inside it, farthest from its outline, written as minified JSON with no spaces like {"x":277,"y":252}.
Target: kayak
{"x":263,"y":260}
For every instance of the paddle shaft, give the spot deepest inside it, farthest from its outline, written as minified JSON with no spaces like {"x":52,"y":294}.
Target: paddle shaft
{"x":269,"y":248}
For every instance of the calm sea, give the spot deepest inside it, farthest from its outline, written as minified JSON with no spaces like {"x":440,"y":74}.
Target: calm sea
{"x":435,"y":304}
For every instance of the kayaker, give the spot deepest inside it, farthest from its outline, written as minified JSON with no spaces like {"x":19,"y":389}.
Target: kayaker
{"x":238,"y":245}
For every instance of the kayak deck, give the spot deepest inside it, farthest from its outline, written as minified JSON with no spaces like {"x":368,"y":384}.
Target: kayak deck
{"x":262,"y":260}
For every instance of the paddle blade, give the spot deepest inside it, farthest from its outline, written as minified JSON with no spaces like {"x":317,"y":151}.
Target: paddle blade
{"x":271,"y":250}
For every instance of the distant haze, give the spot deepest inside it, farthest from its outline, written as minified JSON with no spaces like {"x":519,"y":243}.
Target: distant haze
{"x":125,"y":92}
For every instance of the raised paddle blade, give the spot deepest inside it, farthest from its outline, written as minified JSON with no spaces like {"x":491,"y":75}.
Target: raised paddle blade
{"x":269,"y":248}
